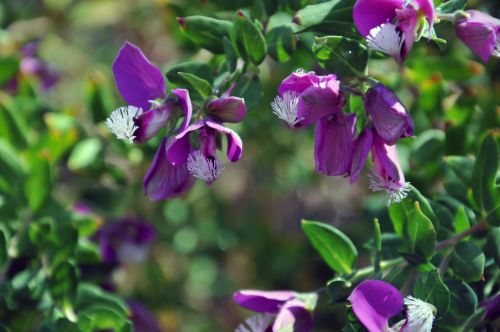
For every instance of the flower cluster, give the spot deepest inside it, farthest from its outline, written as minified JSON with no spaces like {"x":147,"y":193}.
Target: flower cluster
{"x":306,"y":98}
{"x":188,"y":151}
{"x":374,"y":302}
{"x":280,"y":310}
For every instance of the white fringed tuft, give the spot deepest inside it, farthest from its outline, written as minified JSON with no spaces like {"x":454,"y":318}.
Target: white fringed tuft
{"x":285,"y":107}
{"x":201,"y":167}
{"x":387,"y":39}
{"x":121,"y":122}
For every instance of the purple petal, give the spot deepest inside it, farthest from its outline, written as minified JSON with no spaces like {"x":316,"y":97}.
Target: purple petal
{"x":386,"y":161}
{"x":298,"y":82}
{"x":184,"y":102}
{"x":293,"y":317}
{"x":390,"y":117}
{"x":179,"y":146}
{"x":143,"y":319}
{"x":164,"y":180}
{"x":137,"y":79}
{"x":262,"y":301}
{"x":234,"y":143}
{"x":374,"y":302}
{"x":334,"y":140}
{"x":480,"y":33}
{"x":368,"y":14}
{"x":492,"y":306}
{"x":319,"y":100}
{"x":362,"y":147}
{"x":227,"y":109}
{"x":151,"y":122}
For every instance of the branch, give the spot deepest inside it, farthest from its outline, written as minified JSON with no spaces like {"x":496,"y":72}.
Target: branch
{"x":460,"y":236}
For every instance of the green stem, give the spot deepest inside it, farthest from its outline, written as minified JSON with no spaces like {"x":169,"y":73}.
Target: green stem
{"x":460,"y":236}
{"x":367,"y":271}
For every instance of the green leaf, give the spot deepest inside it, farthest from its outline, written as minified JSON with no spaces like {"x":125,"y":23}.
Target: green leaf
{"x":461,"y":221}
{"x":484,"y":175}
{"x":334,"y":247}
{"x":12,"y":127}
{"x":248,"y":39}
{"x":99,"y":317}
{"x":63,"y":283}
{"x":199,"y":85}
{"x":84,"y":153}
{"x":461,"y":165}
{"x":4,"y":248}
{"x":199,"y":69}
{"x":334,"y":10}
{"x":335,"y":287}
{"x":230,"y":53}
{"x":38,"y":185}
{"x":428,"y":148}
{"x":420,"y":235}
{"x":40,"y":232}
{"x":89,"y":294}
{"x":98,"y":96}
{"x":8,"y":68}
{"x":11,"y":170}
{"x":206,"y":32}
{"x":430,"y":288}
{"x":463,"y":299}
{"x":468,"y":261}
{"x":281,"y":43}
{"x":343,"y":56}
{"x":493,"y":244}
{"x":451,"y":6}
{"x":249,"y":88}
{"x":337,"y":28}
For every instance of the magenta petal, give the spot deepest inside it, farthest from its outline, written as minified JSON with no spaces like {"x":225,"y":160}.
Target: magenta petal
{"x":184,"y":102}
{"x":480,"y":33}
{"x":227,"y":109}
{"x":407,"y":22}
{"x":368,"y":14}
{"x":293,"y":317}
{"x":234,"y":143}
{"x":262,"y":301}
{"x":151,"y":122}
{"x":164,"y":180}
{"x":319,"y":100}
{"x":362,"y":147}
{"x":137,"y":79}
{"x":334,"y":141}
{"x":390,"y":117}
{"x":298,"y":82}
{"x":386,"y":161}
{"x":426,"y":7}
{"x":374,"y":302}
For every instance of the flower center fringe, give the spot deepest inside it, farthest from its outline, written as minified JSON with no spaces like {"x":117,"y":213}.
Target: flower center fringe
{"x":396,"y":191}
{"x":258,"y":323}
{"x":286,"y":107}
{"x":387,"y":39}
{"x":419,"y":314}
{"x":204,"y":168}
{"x":121,"y":122}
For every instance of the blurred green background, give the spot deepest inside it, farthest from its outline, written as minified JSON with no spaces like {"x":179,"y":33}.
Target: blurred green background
{"x":244,"y":230}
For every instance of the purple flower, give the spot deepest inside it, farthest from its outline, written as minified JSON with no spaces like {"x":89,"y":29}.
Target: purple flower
{"x":305,"y":98}
{"x":387,"y":174}
{"x":481,"y":33}
{"x":334,"y":143}
{"x":362,"y":147}
{"x":374,"y":302}
{"x":142,"y":318}
{"x":227,"y":108}
{"x":390,"y":118}
{"x":292,"y":310}
{"x":492,"y":306}
{"x":202,"y":161}
{"x":124,"y":241}
{"x":390,"y":26}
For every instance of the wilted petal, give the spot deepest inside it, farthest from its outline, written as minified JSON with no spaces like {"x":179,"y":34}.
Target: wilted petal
{"x":374,"y":302}
{"x":293,"y":317}
{"x":481,"y":33}
{"x":227,"y":109}
{"x":334,"y":140}
{"x":298,"y":82}
{"x":137,"y":79}
{"x":362,"y":147}
{"x":151,"y":122}
{"x":390,"y":117}
{"x":368,"y":14}
{"x":319,"y":100}
{"x":263,"y":301}
{"x":184,"y":102}
{"x":234,"y":143}
{"x":164,"y":180}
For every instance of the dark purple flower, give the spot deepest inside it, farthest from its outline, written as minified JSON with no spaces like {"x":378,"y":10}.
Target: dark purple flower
{"x":334,"y":143}
{"x":227,"y":108}
{"x":390,"y":26}
{"x":305,"y":98}
{"x":125,"y":241}
{"x":492,"y":306}
{"x":481,"y":33}
{"x":142,"y":318}
{"x":362,"y":147}
{"x":387,"y":174}
{"x":390,"y":118}
{"x":201,"y":161}
{"x":292,"y":310}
